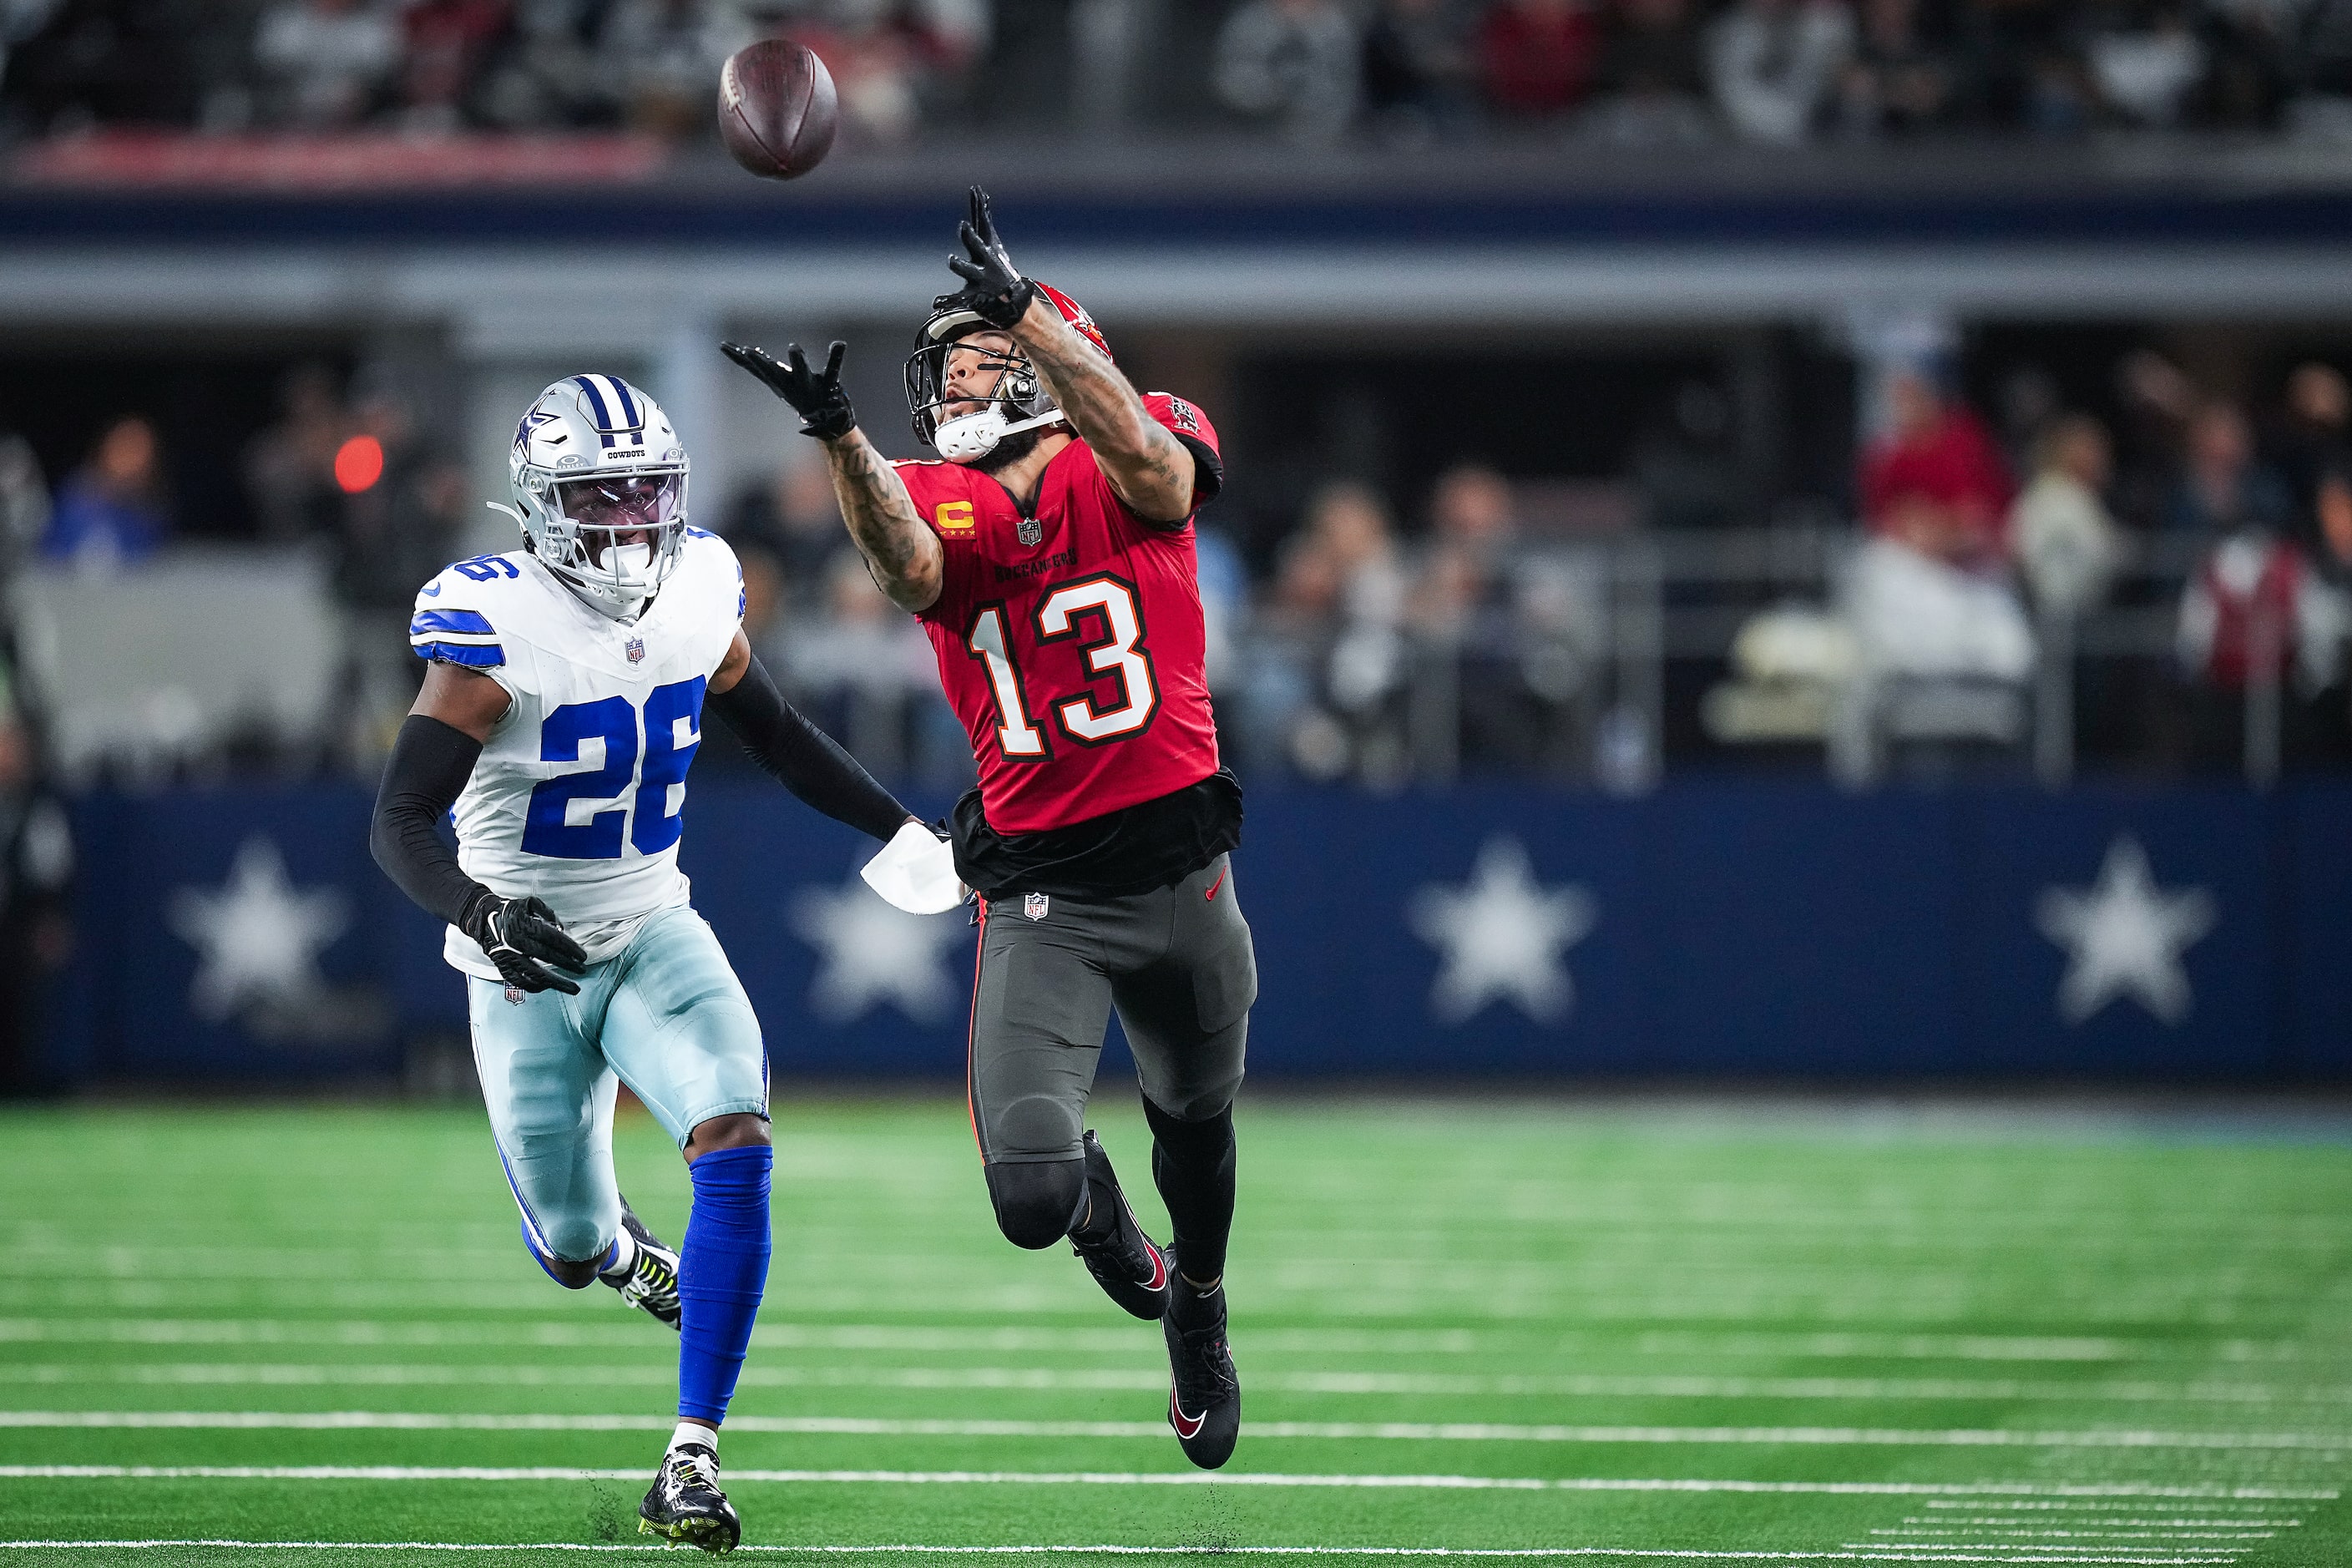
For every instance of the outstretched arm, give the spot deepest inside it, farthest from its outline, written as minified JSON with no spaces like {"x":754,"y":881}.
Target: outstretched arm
{"x":795,"y":752}
{"x":903,"y":555}
{"x":1149,"y":468}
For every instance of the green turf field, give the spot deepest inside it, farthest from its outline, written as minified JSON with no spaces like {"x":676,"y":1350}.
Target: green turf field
{"x":1542,"y":1334}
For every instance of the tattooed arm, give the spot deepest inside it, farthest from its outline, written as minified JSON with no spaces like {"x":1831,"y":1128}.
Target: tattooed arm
{"x":1146,"y":464}
{"x":903,"y":555}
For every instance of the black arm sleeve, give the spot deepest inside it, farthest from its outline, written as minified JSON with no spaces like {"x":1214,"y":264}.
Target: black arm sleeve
{"x":804,"y":758}
{"x":430,"y":765}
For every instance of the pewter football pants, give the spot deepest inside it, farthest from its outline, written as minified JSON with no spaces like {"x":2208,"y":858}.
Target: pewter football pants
{"x":665,"y":1016}
{"x":1177,"y":963}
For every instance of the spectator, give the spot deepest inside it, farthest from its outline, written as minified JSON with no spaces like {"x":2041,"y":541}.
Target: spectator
{"x":2148,"y":71}
{"x":2255,"y":609}
{"x":1538,"y":58}
{"x":447,"y":43}
{"x":1417,"y":71}
{"x":2022,"y":67}
{"x":1898,"y":83}
{"x":2222,"y":489}
{"x":545,"y":71}
{"x":327,"y":62}
{"x":794,"y":515}
{"x":2315,"y":430}
{"x":290,"y":468}
{"x":868,"y":669}
{"x":2067,"y":543}
{"x":25,"y":509}
{"x":892,"y":64}
{"x":1331,"y":656}
{"x":1654,"y":74}
{"x":660,"y":59}
{"x":115,"y":507}
{"x":1290,"y":65}
{"x":1774,"y":65}
{"x":1935,"y":481}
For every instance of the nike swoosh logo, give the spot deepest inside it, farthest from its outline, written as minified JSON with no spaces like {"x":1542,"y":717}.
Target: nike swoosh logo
{"x":1158,"y":1269}
{"x":435,"y":592}
{"x":1210,"y":895}
{"x":1187,"y":1426}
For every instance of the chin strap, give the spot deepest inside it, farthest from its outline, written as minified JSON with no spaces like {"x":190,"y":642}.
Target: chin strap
{"x":977,"y":435}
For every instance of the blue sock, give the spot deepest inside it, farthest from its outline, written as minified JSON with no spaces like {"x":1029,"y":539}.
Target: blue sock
{"x":723,"y":1269}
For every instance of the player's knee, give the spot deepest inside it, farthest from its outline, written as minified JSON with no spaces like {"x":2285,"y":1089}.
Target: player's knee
{"x":577,"y":1271}
{"x":736,"y":1130}
{"x":1038,"y":1204}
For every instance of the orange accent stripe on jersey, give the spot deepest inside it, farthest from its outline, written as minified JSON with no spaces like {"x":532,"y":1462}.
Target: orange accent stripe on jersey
{"x":971,"y":1031}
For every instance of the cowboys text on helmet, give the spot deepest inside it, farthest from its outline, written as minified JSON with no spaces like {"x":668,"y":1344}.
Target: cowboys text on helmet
{"x":599,"y":478}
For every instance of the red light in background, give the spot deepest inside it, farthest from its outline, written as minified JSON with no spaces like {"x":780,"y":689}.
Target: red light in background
{"x":359,"y":463}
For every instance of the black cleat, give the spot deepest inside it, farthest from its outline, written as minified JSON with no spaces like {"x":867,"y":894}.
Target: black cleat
{"x":1131,"y":1271}
{"x":687,"y":1506}
{"x":1204,"y":1393}
{"x":652,"y":1280}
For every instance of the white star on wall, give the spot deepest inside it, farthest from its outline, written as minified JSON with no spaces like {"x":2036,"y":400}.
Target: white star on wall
{"x":2124,"y":937}
{"x":1502,"y":936}
{"x":258,"y":937}
{"x":874,"y":955}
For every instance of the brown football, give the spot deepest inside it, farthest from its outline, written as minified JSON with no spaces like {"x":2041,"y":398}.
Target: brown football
{"x":777,"y":113}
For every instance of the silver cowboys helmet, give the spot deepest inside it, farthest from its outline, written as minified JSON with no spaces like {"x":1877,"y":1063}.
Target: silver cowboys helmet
{"x":599,"y":484}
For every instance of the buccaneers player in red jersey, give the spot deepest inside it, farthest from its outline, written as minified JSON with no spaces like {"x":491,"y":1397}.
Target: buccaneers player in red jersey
{"x":1050,"y":557}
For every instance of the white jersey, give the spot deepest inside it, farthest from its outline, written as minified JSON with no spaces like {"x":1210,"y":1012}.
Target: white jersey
{"x":580,"y":793}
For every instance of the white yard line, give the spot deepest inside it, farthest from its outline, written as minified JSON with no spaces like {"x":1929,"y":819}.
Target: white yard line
{"x":1343,"y":1431}
{"x":1835,"y":1437}
{"x":1870,"y":1556}
{"x":777,"y":1334}
{"x":1358,"y":1383}
{"x":1164,"y":1477}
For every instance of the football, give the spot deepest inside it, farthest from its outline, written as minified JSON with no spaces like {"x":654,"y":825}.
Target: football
{"x":777,"y":111}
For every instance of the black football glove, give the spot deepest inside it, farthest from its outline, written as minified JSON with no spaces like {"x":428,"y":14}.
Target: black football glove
{"x":520,"y":935}
{"x":815,"y":394}
{"x":996,"y":291}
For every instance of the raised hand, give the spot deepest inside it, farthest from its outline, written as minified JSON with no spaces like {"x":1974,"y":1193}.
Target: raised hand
{"x":994,"y":289}
{"x":815,"y":394}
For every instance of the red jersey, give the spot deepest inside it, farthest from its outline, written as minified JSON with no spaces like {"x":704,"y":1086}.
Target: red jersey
{"x":1070,"y":641}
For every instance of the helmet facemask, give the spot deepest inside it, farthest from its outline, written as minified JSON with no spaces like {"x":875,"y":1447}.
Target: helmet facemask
{"x":625,"y":532}
{"x":1016,"y":402}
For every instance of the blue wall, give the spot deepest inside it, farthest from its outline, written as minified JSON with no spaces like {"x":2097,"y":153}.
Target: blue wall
{"x":1713,"y":927}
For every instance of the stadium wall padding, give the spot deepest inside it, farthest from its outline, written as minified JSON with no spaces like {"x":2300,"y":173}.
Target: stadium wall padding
{"x":1717,"y":928}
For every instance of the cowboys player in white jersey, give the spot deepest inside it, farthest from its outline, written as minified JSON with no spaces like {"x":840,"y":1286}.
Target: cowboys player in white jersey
{"x":561,"y":706}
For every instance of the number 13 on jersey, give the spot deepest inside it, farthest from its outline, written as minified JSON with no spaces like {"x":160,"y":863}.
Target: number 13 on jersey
{"x":1100,"y":615}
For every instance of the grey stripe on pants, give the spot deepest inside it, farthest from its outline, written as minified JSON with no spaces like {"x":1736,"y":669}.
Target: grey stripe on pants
{"x":1176,"y":962}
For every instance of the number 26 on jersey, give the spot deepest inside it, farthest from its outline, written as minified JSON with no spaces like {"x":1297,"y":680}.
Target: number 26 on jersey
{"x":641,"y":797}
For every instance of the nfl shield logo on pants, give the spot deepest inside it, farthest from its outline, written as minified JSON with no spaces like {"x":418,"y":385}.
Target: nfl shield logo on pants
{"x":1034,"y":906}
{"x":637,"y":651}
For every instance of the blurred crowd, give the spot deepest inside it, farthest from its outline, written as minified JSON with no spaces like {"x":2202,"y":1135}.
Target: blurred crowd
{"x":1624,"y":72}
{"x":2186,"y":556}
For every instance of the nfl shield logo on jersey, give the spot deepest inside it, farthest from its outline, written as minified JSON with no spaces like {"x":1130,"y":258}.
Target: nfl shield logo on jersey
{"x":514,"y":995}
{"x":1030,"y":530}
{"x":637,"y":651}
{"x":1034,"y":905}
